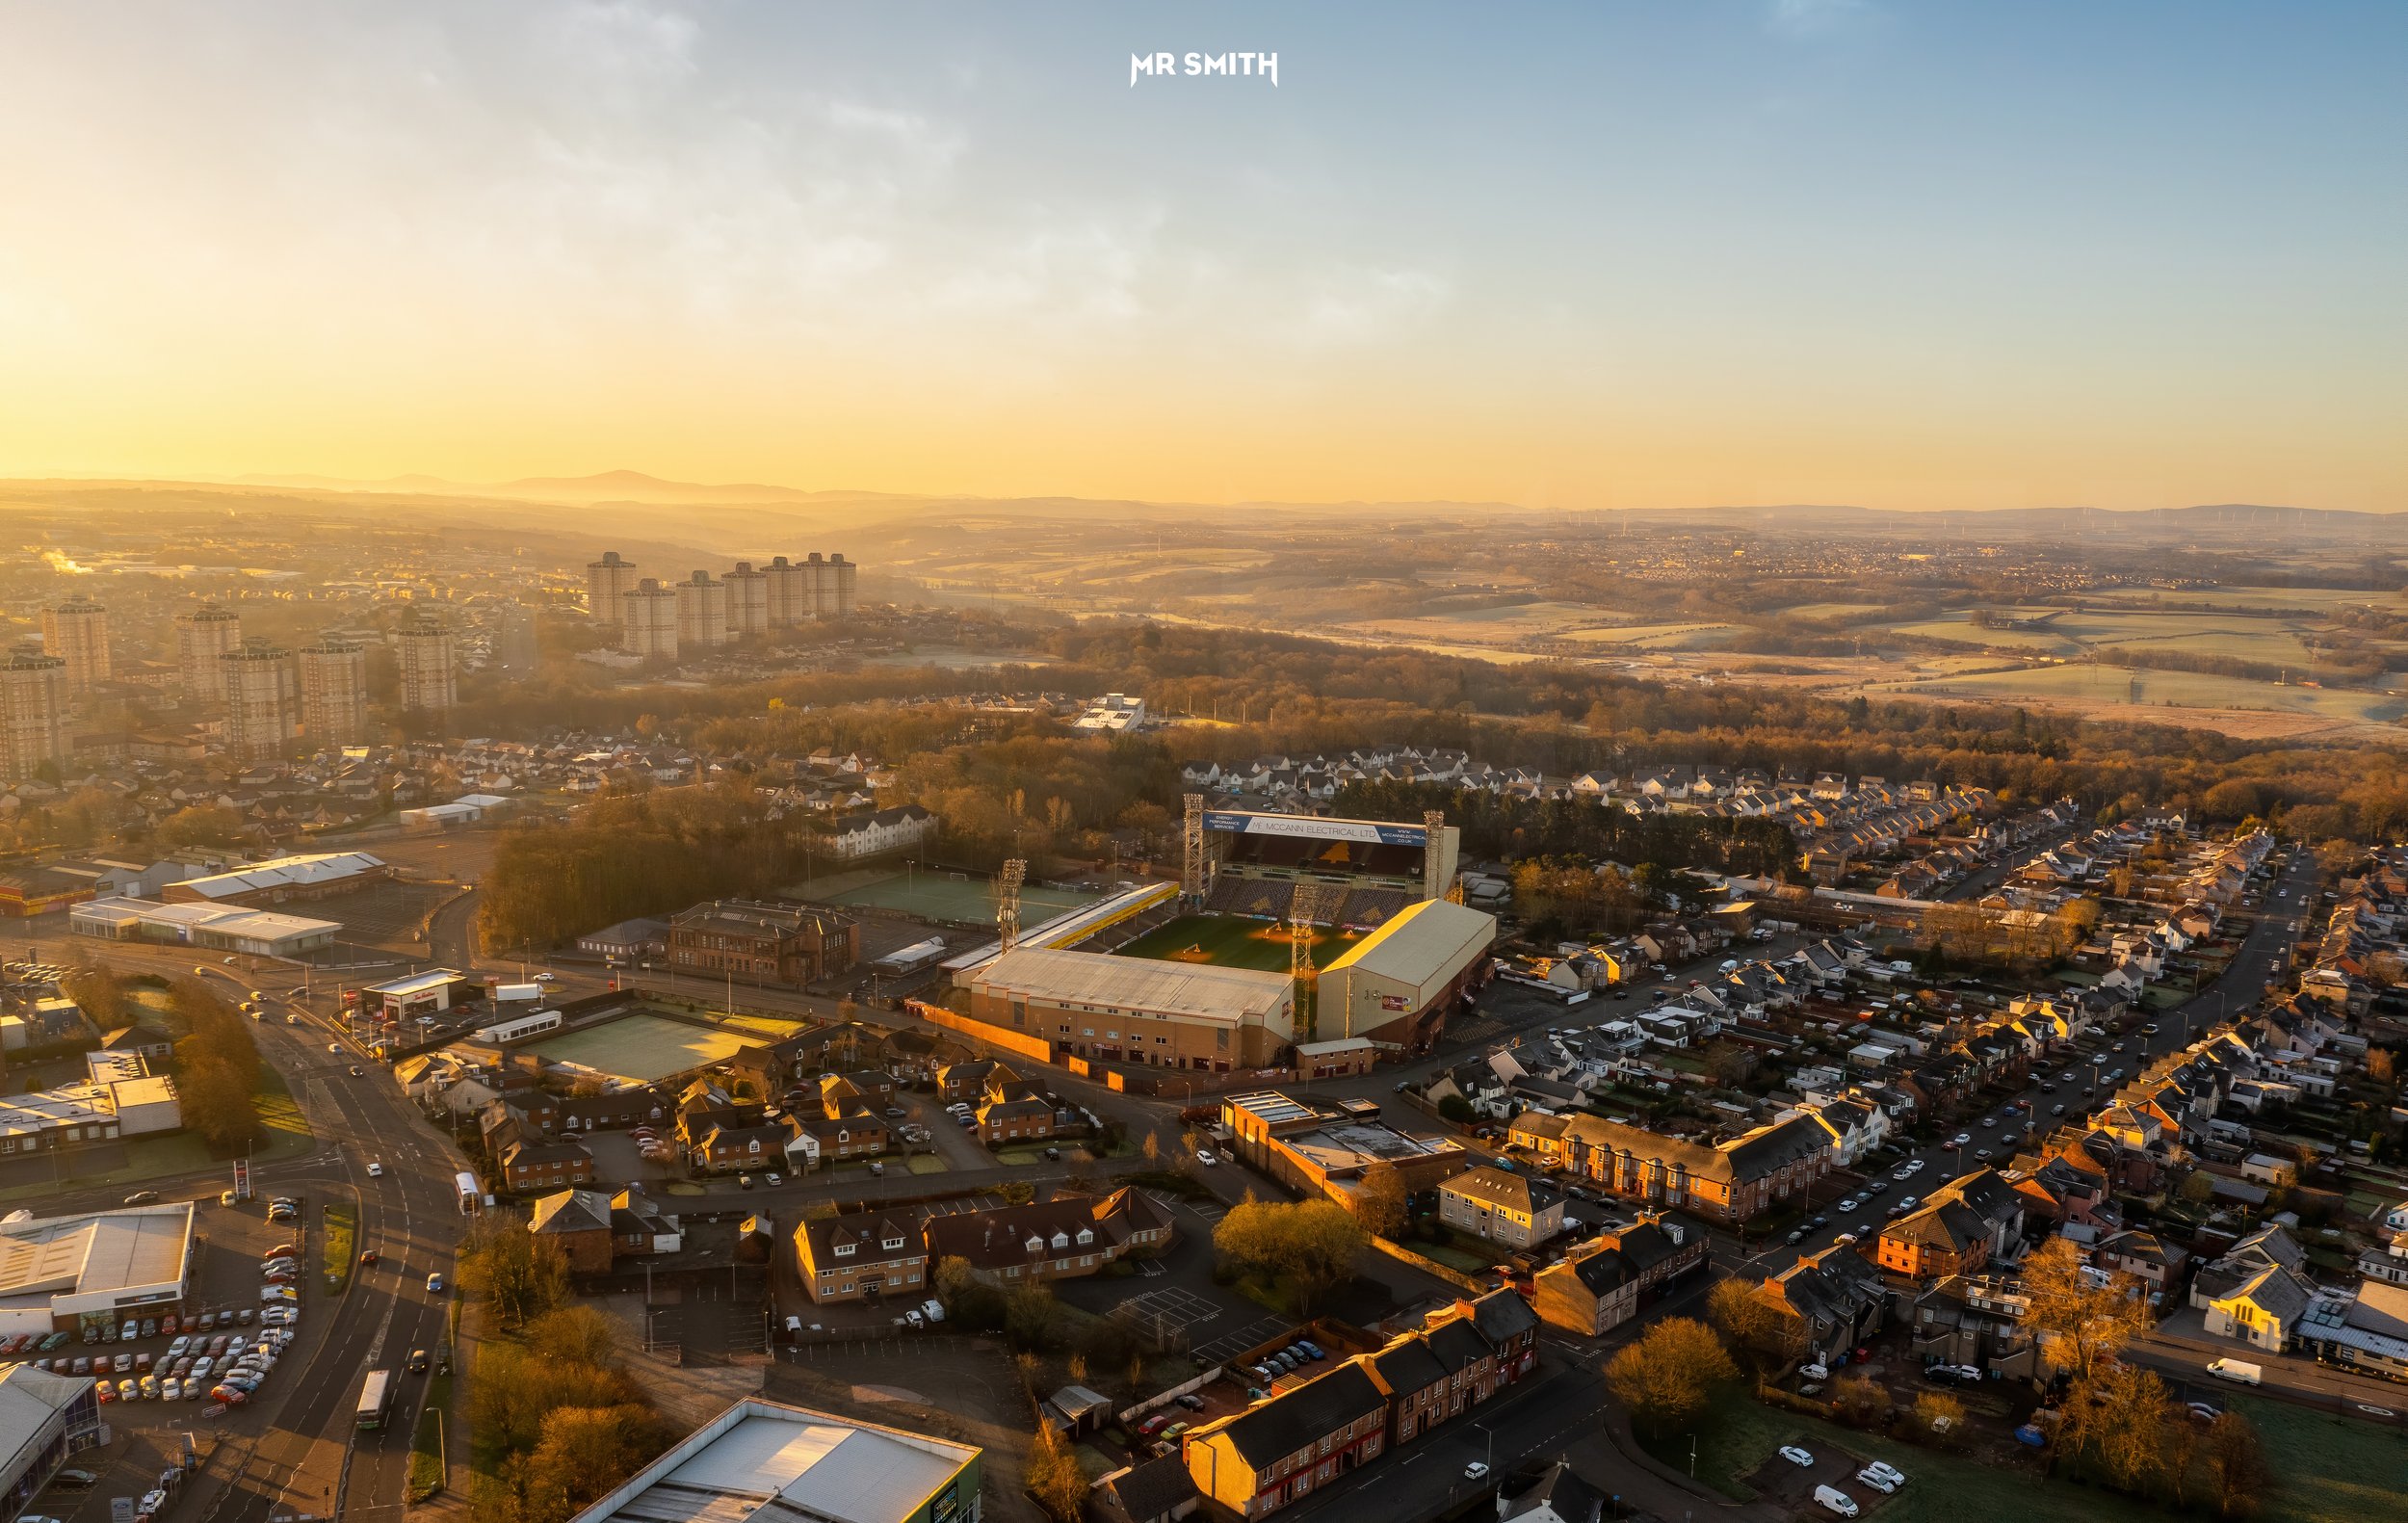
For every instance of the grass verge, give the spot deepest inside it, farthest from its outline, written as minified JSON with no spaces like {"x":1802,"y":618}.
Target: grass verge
{"x":426,"y":1445}
{"x":341,"y":1232}
{"x":2327,"y":1469}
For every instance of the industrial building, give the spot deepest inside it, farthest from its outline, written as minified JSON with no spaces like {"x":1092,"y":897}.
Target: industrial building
{"x":1134,"y":1009}
{"x":1326,"y":1150}
{"x":283,"y":880}
{"x":770,"y":1461}
{"x":218,"y":928}
{"x":64,"y":1274}
{"x":133,"y":1102}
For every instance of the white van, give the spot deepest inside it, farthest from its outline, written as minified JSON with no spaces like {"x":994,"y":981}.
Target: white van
{"x":1836,"y":1501}
{"x":2238,"y":1370}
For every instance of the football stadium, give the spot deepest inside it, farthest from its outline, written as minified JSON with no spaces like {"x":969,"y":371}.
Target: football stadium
{"x":1387,"y":955}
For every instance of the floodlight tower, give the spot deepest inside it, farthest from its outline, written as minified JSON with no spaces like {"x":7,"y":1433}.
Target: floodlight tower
{"x":1192,"y":846}
{"x":1008,"y":901}
{"x":1310,"y":902}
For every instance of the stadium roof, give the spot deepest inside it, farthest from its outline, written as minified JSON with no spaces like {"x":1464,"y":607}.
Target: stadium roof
{"x":1420,"y":943}
{"x":1096,"y":980}
{"x":768,"y":1460}
{"x":284,"y":872}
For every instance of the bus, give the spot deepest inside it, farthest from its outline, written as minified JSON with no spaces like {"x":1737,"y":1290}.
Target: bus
{"x":376,"y":1398}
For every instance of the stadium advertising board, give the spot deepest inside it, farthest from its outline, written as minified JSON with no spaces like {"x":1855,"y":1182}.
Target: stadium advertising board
{"x":1230,"y":821}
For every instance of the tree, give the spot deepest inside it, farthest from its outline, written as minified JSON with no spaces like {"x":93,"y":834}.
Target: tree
{"x":1667,"y":1377}
{"x":2080,"y":1323}
{"x":1379,"y":1201}
{"x":1030,"y":1310}
{"x":579,"y":1334}
{"x":1311,"y":1246}
{"x":1860,"y":1398}
{"x":1764,"y":1336}
{"x":1941,"y":1417}
{"x":524,"y":1276}
{"x":100,"y":995}
{"x":969,"y":1302}
{"x":584,"y":1452}
{"x":2127,"y":1430}
{"x":1054,"y":1477}
{"x":2237,"y":1461}
{"x":202,"y":825}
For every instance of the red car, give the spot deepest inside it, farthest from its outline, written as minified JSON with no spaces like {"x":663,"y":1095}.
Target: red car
{"x":368,"y":1256}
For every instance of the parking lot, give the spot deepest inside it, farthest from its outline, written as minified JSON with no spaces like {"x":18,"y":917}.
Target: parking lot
{"x":149,"y":1436}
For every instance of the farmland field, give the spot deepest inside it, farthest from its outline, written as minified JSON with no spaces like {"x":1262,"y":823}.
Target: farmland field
{"x":2117,"y":686}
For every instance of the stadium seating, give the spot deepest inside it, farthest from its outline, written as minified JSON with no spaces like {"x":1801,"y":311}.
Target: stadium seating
{"x":1368,"y":907}
{"x":1267,"y":898}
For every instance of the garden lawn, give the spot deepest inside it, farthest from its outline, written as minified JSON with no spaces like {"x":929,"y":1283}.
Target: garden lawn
{"x":342,"y":1241}
{"x":926,"y":1163}
{"x":1740,"y":1436}
{"x":2328,"y":1468}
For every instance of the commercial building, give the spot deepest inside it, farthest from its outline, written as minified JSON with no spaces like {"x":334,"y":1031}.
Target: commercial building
{"x":68,"y":1273}
{"x":334,"y":693}
{"x":763,"y":942}
{"x":217,"y":928}
{"x":607,"y":582}
{"x":262,"y":707}
{"x":283,"y":880}
{"x":1169,"y":1015}
{"x":32,"y":713}
{"x":202,"y":638}
{"x":1325,"y":1151}
{"x":747,"y":601}
{"x":122,"y":1099}
{"x":43,"y":1419}
{"x":647,"y":624}
{"x":77,"y":633}
{"x":1397,"y":984}
{"x":430,"y":673}
{"x":419,"y":994}
{"x":701,"y":613}
{"x":766,"y":1460}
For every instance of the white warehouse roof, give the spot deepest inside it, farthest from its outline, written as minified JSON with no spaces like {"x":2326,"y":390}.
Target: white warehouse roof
{"x":1197,"y":991}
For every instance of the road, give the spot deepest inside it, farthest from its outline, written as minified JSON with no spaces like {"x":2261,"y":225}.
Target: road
{"x":303,"y":1454}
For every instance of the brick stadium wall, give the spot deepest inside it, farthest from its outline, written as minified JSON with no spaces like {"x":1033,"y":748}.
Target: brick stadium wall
{"x":1037,"y":1048}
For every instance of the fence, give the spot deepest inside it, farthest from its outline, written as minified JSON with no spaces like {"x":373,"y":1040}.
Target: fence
{"x":1160,"y":1399}
{"x":1037,"y":1048}
{"x":1452,"y":1276}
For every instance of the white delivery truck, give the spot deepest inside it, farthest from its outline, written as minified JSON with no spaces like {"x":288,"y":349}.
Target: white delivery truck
{"x":2238,"y":1370}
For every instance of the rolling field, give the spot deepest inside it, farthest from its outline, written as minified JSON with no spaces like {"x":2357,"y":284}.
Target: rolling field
{"x":2113,"y":687}
{"x":1229,"y":942}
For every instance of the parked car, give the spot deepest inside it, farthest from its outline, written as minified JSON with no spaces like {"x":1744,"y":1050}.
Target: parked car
{"x":1797,"y":1456}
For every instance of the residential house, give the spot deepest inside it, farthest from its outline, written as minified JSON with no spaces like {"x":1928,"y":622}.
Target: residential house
{"x":1509,"y":1208}
{"x":859,"y":1255}
{"x":1959,"y":1229}
{"x":1278,"y":1451}
{"x":527,"y":1165}
{"x":1061,"y":1239}
{"x":1833,"y":1300}
{"x":1732,"y":1181}
{"x":1605,"y":1281}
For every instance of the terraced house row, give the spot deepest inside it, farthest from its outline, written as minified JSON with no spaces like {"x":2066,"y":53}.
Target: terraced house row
{"x":1298,"y":1440}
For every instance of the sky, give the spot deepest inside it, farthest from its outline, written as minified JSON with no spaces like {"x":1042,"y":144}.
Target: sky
{"x":1581,"y":256}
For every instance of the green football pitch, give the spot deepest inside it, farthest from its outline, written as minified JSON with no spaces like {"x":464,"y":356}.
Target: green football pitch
{"x":1232,"y":942}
